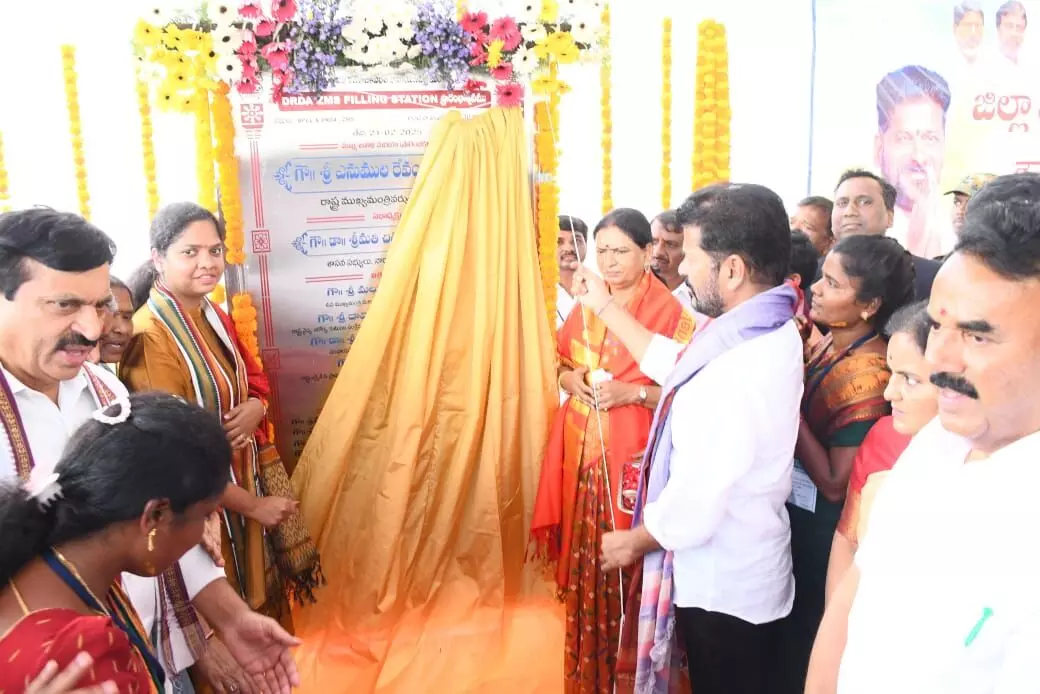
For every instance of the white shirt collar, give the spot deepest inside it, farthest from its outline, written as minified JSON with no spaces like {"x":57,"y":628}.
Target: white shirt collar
{"x":73,"y":386}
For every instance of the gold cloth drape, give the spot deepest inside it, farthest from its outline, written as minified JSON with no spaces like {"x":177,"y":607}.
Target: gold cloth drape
{"x":419,"y":477}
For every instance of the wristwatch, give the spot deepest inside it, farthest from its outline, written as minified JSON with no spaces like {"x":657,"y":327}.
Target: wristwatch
{"x":642,"y":393}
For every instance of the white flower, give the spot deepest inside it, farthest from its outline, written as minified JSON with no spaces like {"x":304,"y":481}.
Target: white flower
{"x":227,"y":40}
{"x":160,"y":14}
{"x":354,"y":32}
{"x":399,"y":19}
{"x":229,"y":69}
{"x":584,"y":33}
{"x":525,"y":61}
{"x":533,"y":33}
{"x":529,"y":13}
{"x":221,"y":12}
{"x":413,"y":51}
{"x":373,"y":23}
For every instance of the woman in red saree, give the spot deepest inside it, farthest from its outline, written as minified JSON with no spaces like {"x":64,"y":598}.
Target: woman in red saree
{"x":914,"y":404}
{"x":132,"y":493}
{"x":582,"y":494}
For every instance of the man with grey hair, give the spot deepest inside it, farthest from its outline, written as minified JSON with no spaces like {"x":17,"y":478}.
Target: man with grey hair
{"x":1011,"y":29}
{"x":968,"y":24}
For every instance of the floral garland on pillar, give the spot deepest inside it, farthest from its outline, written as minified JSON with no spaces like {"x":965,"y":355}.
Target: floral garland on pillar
{"x":666,"y":114}
{"x":5,"y":196}
{"x":204,"y":152}
{"x":607,"y":138}
{"x":68,"y":66}
{"x":144,"y":106}
{"x":711,"y":137}
{"x":243,"y":312}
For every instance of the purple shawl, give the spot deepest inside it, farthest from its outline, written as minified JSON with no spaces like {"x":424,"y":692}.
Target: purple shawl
{"x":656,"y":656}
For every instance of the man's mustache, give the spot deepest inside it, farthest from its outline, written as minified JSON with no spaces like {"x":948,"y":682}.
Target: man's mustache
{"x":74,"y":340}
{"x":957,"y":384}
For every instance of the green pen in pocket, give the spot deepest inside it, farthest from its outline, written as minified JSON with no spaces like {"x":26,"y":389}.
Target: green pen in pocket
{"x":987,"y":612}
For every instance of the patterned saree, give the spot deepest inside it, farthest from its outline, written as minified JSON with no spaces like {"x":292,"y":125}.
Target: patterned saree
{"x":581,"y":496}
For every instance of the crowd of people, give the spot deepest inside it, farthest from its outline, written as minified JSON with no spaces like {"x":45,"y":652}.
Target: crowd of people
{"x":151,"y":542}
{"x":790,"y":455}
{"x":720,"y":497}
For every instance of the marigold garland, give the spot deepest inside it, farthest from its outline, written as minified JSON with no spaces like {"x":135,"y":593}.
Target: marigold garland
{"x":5,"y":196}
{"x":227,"y":171}
{"x":204,"y":152}
{"x":711,"y":137}
{"x":68,"y":66}
{"x":547,"y":122}
{"x":607,"y":136}
{"x":244,"y":314}
{"x":144,"y":107}
{"x":218,"y":295}
{"x":666,"y":114}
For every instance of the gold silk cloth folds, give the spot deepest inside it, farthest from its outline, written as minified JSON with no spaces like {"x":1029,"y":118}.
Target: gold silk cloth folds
{"x":419,"y":478}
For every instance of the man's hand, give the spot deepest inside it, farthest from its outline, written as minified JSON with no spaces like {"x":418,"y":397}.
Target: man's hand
{"x":212,"y":538}
{"x":262,"y":648}
{"x":625,"y":547}
{"x":222,"y":672}
{"x":590,"y":289}
{"x":616,"y":393}
{"x":50,"y":681}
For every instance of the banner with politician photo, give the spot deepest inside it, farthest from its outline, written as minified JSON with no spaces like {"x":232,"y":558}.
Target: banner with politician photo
{"x":926,"y":94}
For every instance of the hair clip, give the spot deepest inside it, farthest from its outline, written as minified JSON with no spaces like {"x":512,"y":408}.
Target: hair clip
{"x":123,"y":412}
{"x":43,"y":488}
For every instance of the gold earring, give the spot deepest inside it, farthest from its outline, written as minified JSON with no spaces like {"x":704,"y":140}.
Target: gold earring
{"x":864,"y":316}
{"x":151,"y":541}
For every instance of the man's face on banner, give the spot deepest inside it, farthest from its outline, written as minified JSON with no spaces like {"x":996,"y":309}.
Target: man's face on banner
{"x":968,"y":33}
{"x":910,"y":152}
{"x":1011,"y":33}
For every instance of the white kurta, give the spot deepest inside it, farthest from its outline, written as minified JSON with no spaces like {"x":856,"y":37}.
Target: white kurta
{"x":947,"y":600}
{"x":48,"y":427}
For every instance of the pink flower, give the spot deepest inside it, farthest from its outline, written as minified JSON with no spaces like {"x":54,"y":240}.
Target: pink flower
{"x":503,"y":72}
{"x":478,"y":53}
{"x":250,"y":10}
{"x":249,"y":69}
{"x":480,"y":36}
{"x":472,"y":22}
{"x":264,"y":28}
{"x":510,"y":94}
{"x":283,"y":10}
{"x":247,"y":85}
{"x":473,"y":85}
{"x":277,"y":54}
{"x":506,"y":31}
{"x":248,"y":48}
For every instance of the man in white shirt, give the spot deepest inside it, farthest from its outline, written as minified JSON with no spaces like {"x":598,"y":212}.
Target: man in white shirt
{"x":942,"y":598}
{"x":570,"y":249}
{"x":718,"y":469}
{"x":54,"y":293}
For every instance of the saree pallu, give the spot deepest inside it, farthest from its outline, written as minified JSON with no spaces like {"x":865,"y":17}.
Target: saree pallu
{"x":844,"y":397}
{"x":197,"y":355}
{"x":61,"y":634}
{"x":581,"y":496}
{"x":876,"y":456}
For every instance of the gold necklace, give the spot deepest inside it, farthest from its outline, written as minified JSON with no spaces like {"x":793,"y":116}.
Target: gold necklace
{"x":72,"y":569}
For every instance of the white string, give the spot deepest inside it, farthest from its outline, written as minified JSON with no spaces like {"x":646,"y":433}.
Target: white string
{"x":595,"y":399}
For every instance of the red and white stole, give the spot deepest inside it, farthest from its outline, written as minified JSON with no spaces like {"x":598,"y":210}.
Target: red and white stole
{"x":11,"y":419}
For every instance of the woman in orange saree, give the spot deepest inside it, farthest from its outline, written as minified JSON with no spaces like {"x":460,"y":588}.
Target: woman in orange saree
{"x":581,"y":493}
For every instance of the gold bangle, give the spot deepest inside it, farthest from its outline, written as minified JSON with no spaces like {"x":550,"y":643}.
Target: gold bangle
{"x":559,"y":381}
{"x":210,"y":634}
